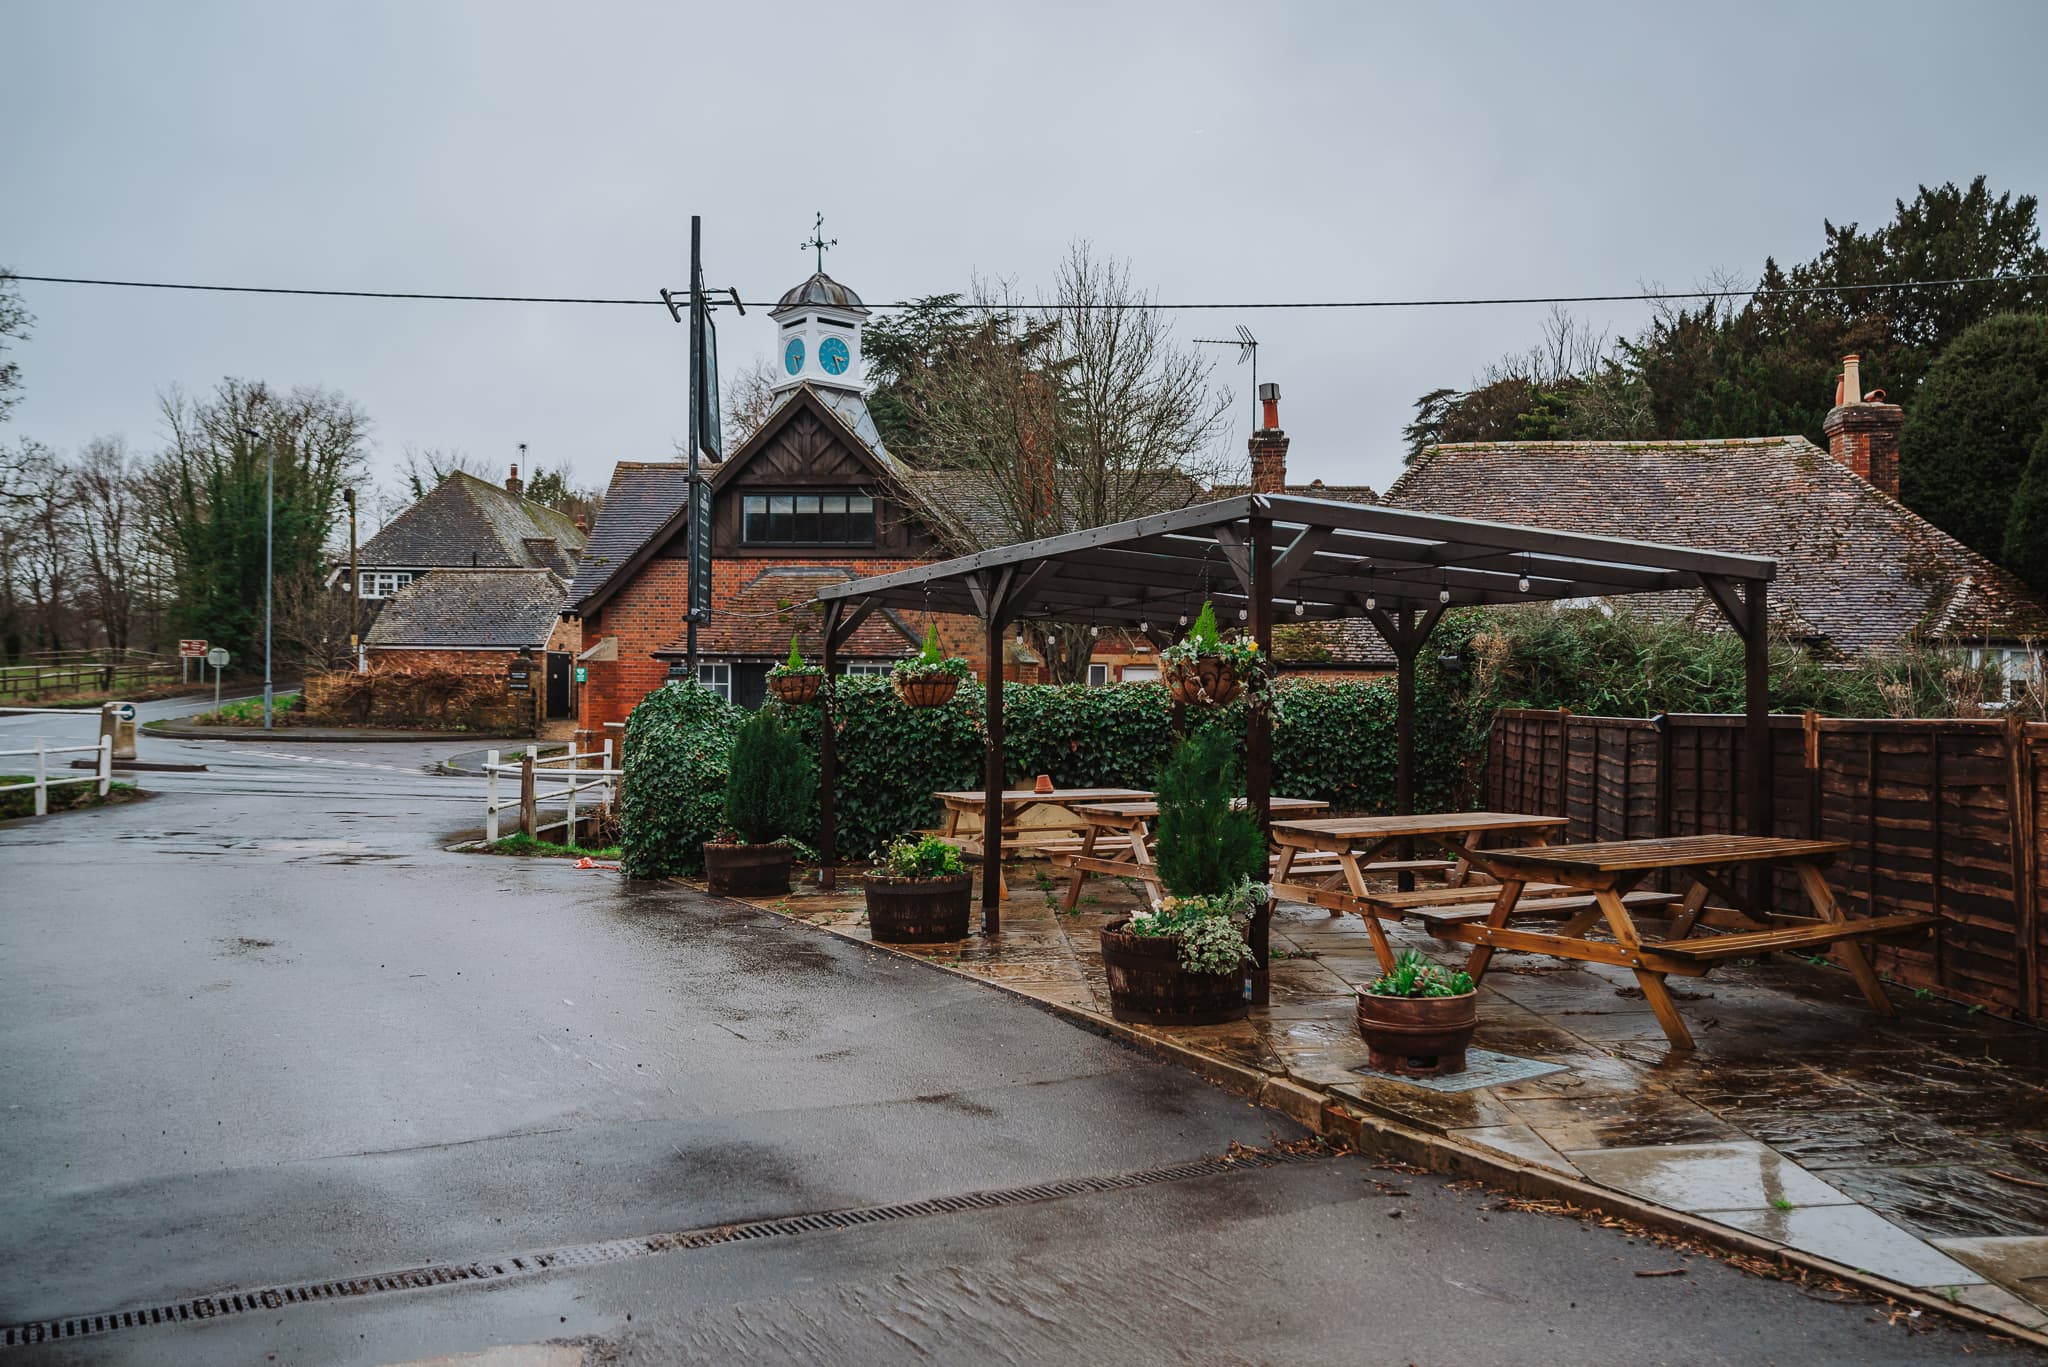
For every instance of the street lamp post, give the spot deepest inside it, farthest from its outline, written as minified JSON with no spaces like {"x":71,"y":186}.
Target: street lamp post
{"x":269,"y":512}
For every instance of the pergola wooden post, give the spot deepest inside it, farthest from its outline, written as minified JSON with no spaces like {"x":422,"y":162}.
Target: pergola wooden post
{"x":1258,"y":743}
{"x":992,"y":773}
{"x":1746,"y":605}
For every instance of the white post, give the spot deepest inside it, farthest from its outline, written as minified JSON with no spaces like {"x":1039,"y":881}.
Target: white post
{"x":42,"y":781}
{"x":106,"y":764}
{"x":572,"y":799}
{"x":491,"y":797}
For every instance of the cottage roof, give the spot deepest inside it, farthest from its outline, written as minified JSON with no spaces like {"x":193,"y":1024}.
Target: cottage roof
{"x":761,"y":615}
{"x":1858,"y":571}
{"x":464,"y":608}
{"x":643,"y":498}
{"x":967,"y":508}
{"x":1315,"y":488}
{"x":466,"y":522}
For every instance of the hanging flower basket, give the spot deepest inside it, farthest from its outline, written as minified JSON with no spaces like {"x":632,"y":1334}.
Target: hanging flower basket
{"x":1209,"y":668}
{"x":1206,"y":680}
{"x":929,"y":678}
{"x":795,"y":690}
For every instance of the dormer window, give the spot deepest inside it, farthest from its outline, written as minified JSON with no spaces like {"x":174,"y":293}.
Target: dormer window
{"x":807,"y":520}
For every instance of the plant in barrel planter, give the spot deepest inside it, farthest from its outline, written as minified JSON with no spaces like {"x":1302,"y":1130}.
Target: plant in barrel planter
{"x":918,"y":893}
{"x":1184,"y":963}
{"x":1211,"y":667}
{"x":769,"y":786}
{"x":1418,"y":1019}
{"x":794,"y":682}
{"x":929,"y":678}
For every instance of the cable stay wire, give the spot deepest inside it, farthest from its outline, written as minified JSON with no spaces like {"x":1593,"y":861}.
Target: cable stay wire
{"x":1637,"y":297}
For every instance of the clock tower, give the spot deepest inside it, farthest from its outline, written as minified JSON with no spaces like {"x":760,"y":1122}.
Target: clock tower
{"x":818,"y":330}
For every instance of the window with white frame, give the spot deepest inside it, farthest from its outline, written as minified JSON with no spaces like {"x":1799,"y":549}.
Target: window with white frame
{"x":865,"y":667}
{"x":381,"y":583}
{"x":1098,"y":675}
{"x":1140,"y":673}
{"x":717,"y":678}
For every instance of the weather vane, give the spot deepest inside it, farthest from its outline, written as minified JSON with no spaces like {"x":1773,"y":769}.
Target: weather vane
{"x":819,"y":241}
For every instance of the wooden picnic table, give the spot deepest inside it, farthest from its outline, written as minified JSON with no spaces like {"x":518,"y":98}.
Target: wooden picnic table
{"x":1326,"y":861}
{"x":1698,"y":936}
{"x":1118,"y":842}
{"x":1016,"y":802}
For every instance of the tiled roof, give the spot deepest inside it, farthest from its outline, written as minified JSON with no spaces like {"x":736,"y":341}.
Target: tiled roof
{"x":758,"y":619}
{"x":1856,"y":568}
{"x":643,"y":496}
{"x":965,"y":505}
{"x":466,"y":522}
{"x":1315,"y":488}
{"x":476,"y":608}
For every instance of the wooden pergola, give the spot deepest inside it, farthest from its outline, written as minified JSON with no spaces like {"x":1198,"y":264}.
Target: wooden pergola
{"x":1258,"y":555}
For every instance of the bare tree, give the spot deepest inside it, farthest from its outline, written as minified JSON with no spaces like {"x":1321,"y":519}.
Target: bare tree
{"x":15,"y":321}
{"x":40,"y":560}
{"x":749,"y":399}
{"x":1078,"y":410}
{"x":110,"y":533}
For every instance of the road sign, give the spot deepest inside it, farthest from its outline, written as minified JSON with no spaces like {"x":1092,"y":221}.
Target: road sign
{"x":217,"y":657}
{"x":124,"y":711}
{"x":191,"y":650}
{"x":582,"y":674}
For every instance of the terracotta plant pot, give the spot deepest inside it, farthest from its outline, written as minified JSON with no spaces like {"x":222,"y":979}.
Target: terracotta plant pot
{"x":1418,"y":1036}
{"x":795,"y":689}
{"x":916,"y":911}
{"x":1042,"y":784}
{"x":926,"y":690}
{"x":747,"y":870}
{"x":1207,"y":681}
{"x":1147,"y":985}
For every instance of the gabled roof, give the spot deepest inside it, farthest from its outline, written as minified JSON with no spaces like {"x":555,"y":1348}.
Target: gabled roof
{"x":965,"y":506}
{"x":466,"y":522}
{"x":763,"y":613}
{"x":1856,"y":568}
{"x":460,"y":608}
{"x":644,"y":498}
{"x":843,"y":410}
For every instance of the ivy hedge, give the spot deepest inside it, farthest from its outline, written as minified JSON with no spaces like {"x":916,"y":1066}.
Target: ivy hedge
{"x":1333,"y":740}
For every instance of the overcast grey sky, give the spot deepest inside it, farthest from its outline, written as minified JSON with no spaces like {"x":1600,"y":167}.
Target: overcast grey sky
{"x":1232,"y":152}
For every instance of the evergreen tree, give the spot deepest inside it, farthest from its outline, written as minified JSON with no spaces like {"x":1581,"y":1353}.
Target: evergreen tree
{"x":1206,"y":845}
{"x":2026,"y":531}
{"x":771,"y":780}
{"x":1972,"y":426}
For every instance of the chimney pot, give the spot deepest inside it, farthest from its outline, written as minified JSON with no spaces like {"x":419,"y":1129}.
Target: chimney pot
{"x":1852,"y":379}
{"x":512,"y":484}
{"x":1863,"y":430}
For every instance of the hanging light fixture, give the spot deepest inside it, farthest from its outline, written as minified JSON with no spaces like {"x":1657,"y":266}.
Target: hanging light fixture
{"x":1183,"y":619}
{"x":1372,"y":603}
{"x":1299,"y":607}
{"x":1443,"y":595}
{"x":1243,"y":613}
{"x":1522,"y":584}
{"x":1095,"y":631}
{"x":1144,"y":626}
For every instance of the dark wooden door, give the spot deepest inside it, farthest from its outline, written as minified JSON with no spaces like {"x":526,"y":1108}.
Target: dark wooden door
{"x":560,"y":663}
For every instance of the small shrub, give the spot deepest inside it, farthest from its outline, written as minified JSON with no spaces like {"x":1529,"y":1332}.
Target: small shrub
{"x":1415,"y":976}
{"x":678,"y":742}
{"x":771,"y":781}
{"x":925,"y":857}
{"x":1207,"y":845}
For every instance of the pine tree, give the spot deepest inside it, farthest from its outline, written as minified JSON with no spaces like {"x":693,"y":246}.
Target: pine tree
{"x":1206,"y":845}
{"x":770,"y":781}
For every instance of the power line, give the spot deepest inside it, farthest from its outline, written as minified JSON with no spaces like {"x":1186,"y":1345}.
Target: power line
{"x":1645,"y":296}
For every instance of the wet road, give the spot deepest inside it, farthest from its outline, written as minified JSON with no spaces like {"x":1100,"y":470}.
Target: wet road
{"x":260,"y":1030}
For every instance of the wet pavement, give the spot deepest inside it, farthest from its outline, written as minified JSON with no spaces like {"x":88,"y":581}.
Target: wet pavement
{"x":1914,"y":1148}
{"x":262,"y":1031}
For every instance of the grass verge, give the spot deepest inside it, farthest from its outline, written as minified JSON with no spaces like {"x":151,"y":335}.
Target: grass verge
{"x":70,"y":797}
{"x":521,"y":843}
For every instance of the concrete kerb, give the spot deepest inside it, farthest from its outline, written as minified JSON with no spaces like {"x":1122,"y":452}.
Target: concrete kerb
{"x":1332,"y":1117}
{"x":318,"y":735}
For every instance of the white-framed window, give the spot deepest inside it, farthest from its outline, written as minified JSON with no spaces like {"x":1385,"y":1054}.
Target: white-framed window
{"x":864,"y":668}
{"x":1140,"y":673}
{"x":716,"y":677}
{"x":381,"y":583}
{"x":1098,"y":675}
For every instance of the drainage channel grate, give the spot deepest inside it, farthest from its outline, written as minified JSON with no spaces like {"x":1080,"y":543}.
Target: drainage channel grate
{"x":222,"y":1304}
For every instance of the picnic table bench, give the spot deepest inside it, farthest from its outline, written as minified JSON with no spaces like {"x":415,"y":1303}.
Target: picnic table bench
{"x":1021,"y":841}
{"x":1118,"y":838}
{"x":1698,"y":936}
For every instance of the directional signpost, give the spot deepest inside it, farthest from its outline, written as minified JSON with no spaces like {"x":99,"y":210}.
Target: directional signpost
{"x":187,"y":651}
{"x":218,"y":658}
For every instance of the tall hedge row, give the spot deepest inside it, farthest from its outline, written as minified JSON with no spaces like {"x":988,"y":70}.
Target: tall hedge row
{"x":1333,"y":740}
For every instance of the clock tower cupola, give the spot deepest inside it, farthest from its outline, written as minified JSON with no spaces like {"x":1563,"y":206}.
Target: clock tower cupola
{"x":819,"y":325}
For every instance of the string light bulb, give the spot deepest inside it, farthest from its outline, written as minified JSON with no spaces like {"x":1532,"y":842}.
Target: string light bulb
{"x":1300,"y":608}
{"x":1243,"y":613}
{"x":1522,"y":584}
{"x":1443,"y":595}
{"x":1183,"y":619}
{"x":1371,"y":603}
{"x":1144,"y":626}
{"x":1095,"y":631}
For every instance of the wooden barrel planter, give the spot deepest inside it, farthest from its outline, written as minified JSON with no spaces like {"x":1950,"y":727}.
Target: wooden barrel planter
{"x":747,"y":870}
{"x":1147,"y":985}
{"x":1418,"y":1036}
{"x":795,"y":689}
{"x":926,"y":690}
{"x":1208,"y":681}
{"x":917,"y":911}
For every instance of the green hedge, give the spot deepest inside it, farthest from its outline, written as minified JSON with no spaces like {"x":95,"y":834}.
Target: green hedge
{"x":1334,"y":741}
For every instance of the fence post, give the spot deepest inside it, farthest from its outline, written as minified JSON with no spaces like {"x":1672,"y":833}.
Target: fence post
{"x":106,"y":764}
{"x":529,"y":810}
{"x":491,"y":797}
{"x":42,"y":781}
{"x":572,"y":797}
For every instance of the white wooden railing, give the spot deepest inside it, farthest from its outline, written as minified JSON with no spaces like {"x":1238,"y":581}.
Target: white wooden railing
{"x":572,"y":767}
{"x":103,"y":772}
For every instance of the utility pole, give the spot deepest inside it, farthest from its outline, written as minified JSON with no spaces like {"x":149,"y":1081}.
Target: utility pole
{"x":354,"y":582}
{"x":696,"y":365}
{"x":269,"y":519}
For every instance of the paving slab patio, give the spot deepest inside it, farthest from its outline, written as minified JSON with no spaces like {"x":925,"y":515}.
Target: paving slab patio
{"x":1914,"y":1148}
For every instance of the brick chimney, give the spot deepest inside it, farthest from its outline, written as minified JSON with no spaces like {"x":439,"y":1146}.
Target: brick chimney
{"x":512,"y":482}
{"x":1269,"y":445}
{"x":1863,"y":430}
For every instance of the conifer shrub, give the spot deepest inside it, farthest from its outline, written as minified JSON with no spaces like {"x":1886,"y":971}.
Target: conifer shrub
{"x":1207,"y":846}
{"x":771,"y":781}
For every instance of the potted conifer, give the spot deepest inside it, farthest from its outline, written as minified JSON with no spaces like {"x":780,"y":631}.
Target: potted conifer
{"x":929,"y":678}
{"x":918,"y":893}
{"x":1211,"y":667}
{"x":770,"y":782}
{"x":793,"y":682}
{"x":1184,"y":962}
{"x":1418,"y":1018}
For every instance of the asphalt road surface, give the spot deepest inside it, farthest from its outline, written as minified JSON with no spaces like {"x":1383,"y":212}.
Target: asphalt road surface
{"x":262,"y":1032}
